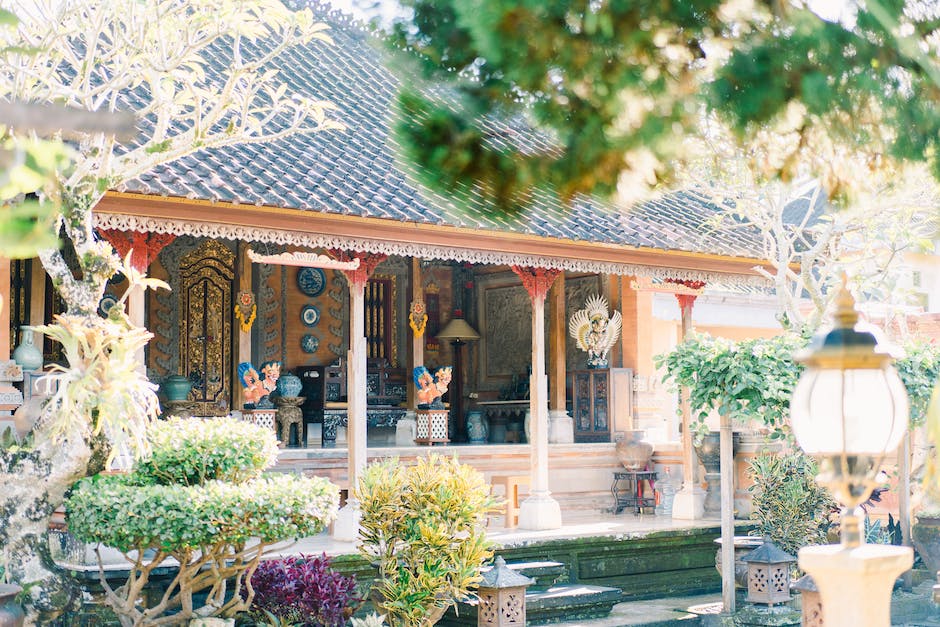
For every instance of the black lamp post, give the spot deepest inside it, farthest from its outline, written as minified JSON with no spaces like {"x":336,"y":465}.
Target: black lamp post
{"x":459,"y":333}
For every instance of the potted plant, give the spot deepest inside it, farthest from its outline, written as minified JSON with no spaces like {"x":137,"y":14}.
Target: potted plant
{"x":423,"y":528}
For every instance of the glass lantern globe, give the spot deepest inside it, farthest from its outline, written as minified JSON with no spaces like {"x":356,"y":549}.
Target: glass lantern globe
{"x":849,"y":409}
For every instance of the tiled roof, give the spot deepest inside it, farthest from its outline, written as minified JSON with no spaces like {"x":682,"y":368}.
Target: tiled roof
{"x":357,"y":171}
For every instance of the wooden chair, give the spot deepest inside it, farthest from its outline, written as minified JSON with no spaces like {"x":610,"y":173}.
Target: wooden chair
{"x":510,"y":485}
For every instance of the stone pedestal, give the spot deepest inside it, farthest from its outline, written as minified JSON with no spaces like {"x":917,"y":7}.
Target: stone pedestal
{"x":289,"y":413}
{"x":181,"y":409}
{"x":560,"y":427}
{"x":689,"y":504}
{"x":346,"y":525}
{"x":405,"y":430}
{"x":539,"y":511}
{"x":712,"y":504}
{"x":856,"y":583}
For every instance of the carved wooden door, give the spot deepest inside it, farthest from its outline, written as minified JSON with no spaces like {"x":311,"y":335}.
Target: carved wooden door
{"x":206,"y":293}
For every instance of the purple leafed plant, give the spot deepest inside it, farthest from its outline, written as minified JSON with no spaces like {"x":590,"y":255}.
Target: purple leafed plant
{"x":304,"y":590}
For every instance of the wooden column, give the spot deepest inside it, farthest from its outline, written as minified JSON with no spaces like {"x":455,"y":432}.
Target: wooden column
{"x":4,"y":308}
{"x":539,"y":510}
{"x":416,"y":347}
{"x":143,"y":249}
{"x":727,"y":514}
{"x":37,"y":295}
{"x":244,"y":272}
{"x":636,"y":307}
{"x":557,"y":335}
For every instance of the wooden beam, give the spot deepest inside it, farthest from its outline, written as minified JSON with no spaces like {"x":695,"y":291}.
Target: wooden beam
{"x":379,"y":229}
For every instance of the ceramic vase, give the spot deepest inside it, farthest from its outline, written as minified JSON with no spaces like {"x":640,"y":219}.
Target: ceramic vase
{"x":26,"y":354}
{"x":632,"y":451}
{"x":289,"y":385}
{"x":176,"y":387}
{"x":11,"y":614}
{"x":477,"y":429}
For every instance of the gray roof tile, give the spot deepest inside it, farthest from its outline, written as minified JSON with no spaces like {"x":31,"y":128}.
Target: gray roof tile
{"x":357,"y":171}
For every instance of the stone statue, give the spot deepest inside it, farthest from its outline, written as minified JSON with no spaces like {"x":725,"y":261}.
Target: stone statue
{"x":595,"y":331}
{"x":430,"y":388}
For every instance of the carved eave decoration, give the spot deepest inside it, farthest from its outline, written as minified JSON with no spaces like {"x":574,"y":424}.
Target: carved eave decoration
{"x":302,"y":259}
{"x":314,"y":230}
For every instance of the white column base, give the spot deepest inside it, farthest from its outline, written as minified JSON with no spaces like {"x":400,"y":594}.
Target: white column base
{"x":560,"y":427}
{"x":538,"y":512}
{"x":406,"y":430}
{"x":689,"y":504}
{"x":346,"y":525}
{"x":855,"y":584}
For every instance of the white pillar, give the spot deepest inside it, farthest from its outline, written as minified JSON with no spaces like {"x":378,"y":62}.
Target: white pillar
{"x":539,"y":510}
{"x":855,"y":583}
{"x":689,"y":502}
{"x":346,"y":527}
{"x":136,"y":312}
{"x":726,"y":451}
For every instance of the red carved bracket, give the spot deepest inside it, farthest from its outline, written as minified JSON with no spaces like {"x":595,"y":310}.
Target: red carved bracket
{"x":686,"y":301}
{"x":368,"y":262}
{"x":536,"y":281}
{"x":146,"y":246}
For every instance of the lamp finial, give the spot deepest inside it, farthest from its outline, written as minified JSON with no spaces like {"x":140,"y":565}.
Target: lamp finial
{"x":845,"y":316}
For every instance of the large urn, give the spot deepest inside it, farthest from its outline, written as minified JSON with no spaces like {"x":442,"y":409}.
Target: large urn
{"x":632,"y":451}
{"x":289,"y":385}
{"x":11,"y":614}
{"x":176,"y":387}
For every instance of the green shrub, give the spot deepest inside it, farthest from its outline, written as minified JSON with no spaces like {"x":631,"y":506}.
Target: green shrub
{"x":788,"y":505}
{"x":115,"y":511}
{"x":172,"y":506}
{"x":423,"y":526}
{"x":191,"y":452}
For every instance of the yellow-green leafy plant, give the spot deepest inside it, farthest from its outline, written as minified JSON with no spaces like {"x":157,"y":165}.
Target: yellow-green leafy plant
{"x":423,"y":526}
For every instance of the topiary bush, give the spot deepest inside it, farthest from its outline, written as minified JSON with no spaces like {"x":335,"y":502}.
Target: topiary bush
{"x":423,"y":526}
{"x":172,"y":505}
{"x":303,"y":590}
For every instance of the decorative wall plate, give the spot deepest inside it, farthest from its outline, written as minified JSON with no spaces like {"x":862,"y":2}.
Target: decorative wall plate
{"x":107,"y":301}
{"x":311,"y":281}
{"x":309,"y":343}
{"x":310,"y":315}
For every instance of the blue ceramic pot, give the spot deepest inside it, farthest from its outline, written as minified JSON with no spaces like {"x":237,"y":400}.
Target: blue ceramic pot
{"x":176,"y":387}
{"x":289,"y":385}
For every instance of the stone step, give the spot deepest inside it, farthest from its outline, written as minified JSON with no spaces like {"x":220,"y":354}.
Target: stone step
{"x":546,"y":574}
{"x":561,"y":603}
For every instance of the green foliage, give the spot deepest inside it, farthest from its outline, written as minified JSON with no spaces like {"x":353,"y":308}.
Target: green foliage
{"x":919,"y":369}
{"x":612,"y":85}
{"x":126,"y":513}
{"x":216,"y":530}
{"x":423,"y":526}
{"x":29,"y":166}
{"x":191,"y":453}
{"x":754,"y":379}
{"x":788,"y":505}
{"x":747,"y":380}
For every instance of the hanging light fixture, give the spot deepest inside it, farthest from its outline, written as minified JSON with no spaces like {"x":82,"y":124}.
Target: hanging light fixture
{"x":849,"y":410}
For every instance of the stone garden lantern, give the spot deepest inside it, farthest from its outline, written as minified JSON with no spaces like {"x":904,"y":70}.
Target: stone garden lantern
{"x":502,"y":597}
{"x":768,"y":574}
{"x":810,"y":601}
